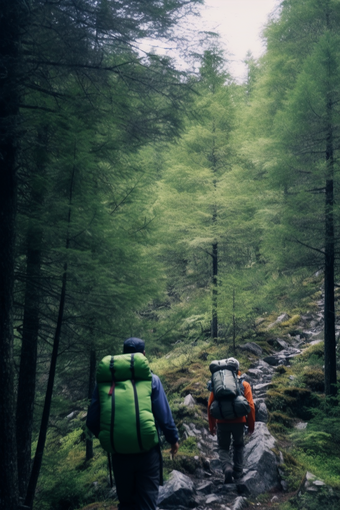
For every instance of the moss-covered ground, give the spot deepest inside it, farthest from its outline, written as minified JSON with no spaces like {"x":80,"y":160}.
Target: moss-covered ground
{"x":69,"y":482}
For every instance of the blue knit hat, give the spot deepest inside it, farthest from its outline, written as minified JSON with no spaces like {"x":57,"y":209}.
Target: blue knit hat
{"x":134,"y":345}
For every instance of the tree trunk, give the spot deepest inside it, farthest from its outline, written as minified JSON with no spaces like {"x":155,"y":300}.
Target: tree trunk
{"x":28,"y":360}
{"x":10,"y":20}
{"x":329,"y":310}
{"x":30,"y":334}
{"x":214,"y":326}
{"x":48,"y":399}
{"x":92,"y":380}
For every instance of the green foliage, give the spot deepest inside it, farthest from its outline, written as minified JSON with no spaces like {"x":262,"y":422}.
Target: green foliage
{"x":189,"y":446}
{"x":67,"y":481}
{"x":293,"y":471}
{"x":314,"y":501}
{"x":294,"y":401}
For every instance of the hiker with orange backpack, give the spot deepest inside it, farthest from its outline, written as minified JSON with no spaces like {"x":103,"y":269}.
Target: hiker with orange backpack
{"x":230,"y":408}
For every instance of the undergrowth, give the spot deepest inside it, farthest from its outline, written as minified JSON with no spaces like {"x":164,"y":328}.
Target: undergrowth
{"x":68,"y":482}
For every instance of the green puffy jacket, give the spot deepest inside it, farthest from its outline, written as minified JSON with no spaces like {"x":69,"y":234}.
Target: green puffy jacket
{"x":127,"y":424}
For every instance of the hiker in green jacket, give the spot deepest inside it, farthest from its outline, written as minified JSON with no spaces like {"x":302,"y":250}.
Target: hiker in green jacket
{"x":128,"y":410}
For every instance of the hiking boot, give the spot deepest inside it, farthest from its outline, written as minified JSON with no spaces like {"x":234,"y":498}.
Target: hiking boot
{"x":237,"y":474}
{"x":228,"y":476}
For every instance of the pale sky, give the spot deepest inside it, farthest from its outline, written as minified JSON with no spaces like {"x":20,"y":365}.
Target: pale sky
{"x":239,"y":23}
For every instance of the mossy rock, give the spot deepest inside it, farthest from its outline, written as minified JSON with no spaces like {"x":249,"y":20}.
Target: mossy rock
{"x":277,"y":429}
{"x":281,"y":418}
{"x":314,"y":378}
{"x":186,"y":464}
{"x":292,"y":401}
{"x":316,"y":350}
{"x":182,"y":412}
{"x":281,"y":369}
{"x":322,"y":498}
{"x":291,"y":322}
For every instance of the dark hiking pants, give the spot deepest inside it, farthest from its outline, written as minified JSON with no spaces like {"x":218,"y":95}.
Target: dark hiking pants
{"x":226,"y":432}
{"x":137,"y":478}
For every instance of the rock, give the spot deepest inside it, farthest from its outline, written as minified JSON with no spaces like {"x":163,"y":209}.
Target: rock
{"x":315,"y":492}
{"x":272,"y":360}
{"x":205,"y":487}
{"x":265,"y":368}
{"x":239,"y":503}
{"x":281,"y":318}
{"x":301,"y":425}
{"x":315,"y":342}
{"x":282,"y":343}
{"x":262,"y":386}
{"x":178,"y":491}
{"x":255,"y":372}
{"x":259,"y":321}
{"x":191,"y":431}
{"x":260,"y":463}
{"x":215,"y":464}
{"x":251,"y":347}
{"x":282,"y":357}
{"x":284,"y":485}
{"x":189,"y":401}
{"x":261,"y":412}
{"x":320,"y":335}
{"x":213,"y":498}
{"x":200,"y":473}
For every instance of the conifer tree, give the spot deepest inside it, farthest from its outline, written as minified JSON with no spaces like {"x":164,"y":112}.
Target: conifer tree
{"x":43,"y":75}
{"x":203,"y":200}
{"x":302,"y":166}
{"x":13,"y":21}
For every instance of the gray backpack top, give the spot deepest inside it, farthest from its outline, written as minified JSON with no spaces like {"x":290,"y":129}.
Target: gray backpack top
{"x":229,"y":402}
{"x":224,"y":380}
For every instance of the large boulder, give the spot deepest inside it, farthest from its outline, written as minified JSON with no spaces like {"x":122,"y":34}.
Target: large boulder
{"x":283,"y":357}
{"x":177,"y":492}
{"x":260,"y":462}
{"x":251,"y":347}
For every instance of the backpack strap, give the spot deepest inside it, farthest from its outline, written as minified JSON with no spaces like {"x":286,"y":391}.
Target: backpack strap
{"x":110,"y":469}
{"x":112,"y":393}
{"x":241,"y":385}
{"x":139,"y":435}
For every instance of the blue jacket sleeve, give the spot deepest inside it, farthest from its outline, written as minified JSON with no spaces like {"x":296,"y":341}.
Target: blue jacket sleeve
{"x":93,"y":414}
{"x":162,"y":412}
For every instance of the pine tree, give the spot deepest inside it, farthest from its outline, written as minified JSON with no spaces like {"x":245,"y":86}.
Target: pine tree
{"x":45,"y":76}
{"x":208,"y":215}
{"x":303,"y":155}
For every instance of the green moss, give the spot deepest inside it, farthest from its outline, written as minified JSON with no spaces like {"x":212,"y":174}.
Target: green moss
{"x":293,"y":401}
{"x":281,"y":418}
{"x":184,"y":463}
{"x":291,"y":322}
{"x":293,"y":471}
{"x":277,"y":429}
{"x":314,"y":378}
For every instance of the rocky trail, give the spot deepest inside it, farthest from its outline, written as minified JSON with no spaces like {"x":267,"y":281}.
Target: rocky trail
{"x":205,"y":489}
